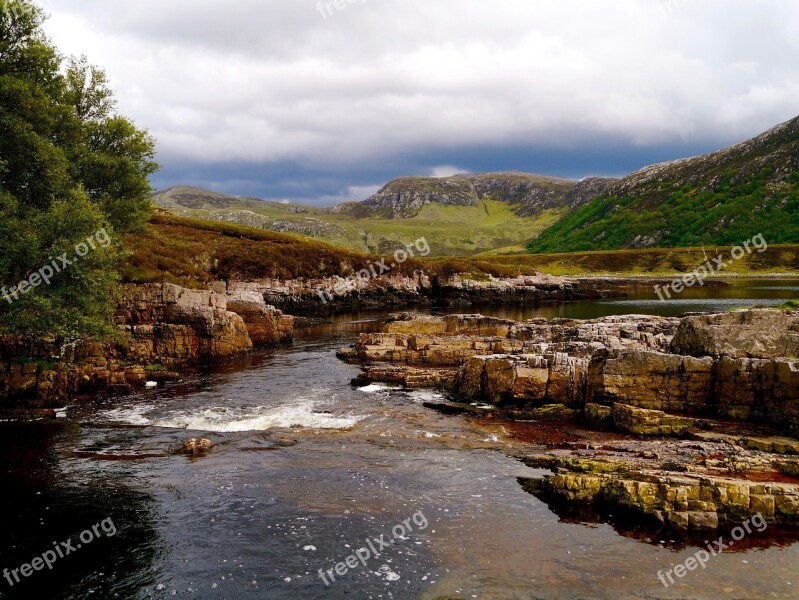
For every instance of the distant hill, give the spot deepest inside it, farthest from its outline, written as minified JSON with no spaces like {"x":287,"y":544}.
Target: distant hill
{"x":725,"y":197}
{"x":461,"y":215}
{"x":527,"y":194}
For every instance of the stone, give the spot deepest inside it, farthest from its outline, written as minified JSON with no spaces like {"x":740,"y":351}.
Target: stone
{"x":758,"y":333}
{"x":639,"y":421}
{"x":196,"y":446}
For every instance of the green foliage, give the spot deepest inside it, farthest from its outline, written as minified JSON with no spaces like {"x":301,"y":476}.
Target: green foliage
{"x":69,"y":168}
{"x":791,"y":305}
{"x":733,"y":212}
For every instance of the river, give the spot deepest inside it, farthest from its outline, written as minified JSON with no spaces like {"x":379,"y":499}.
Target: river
{"x":306,"y":468}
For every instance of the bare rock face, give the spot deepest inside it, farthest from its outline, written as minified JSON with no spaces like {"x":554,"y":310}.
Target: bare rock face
{"x":640,"y":421}
{"x":686,"y":502}
{"x":555,"y":378}
{"x":651,"y":380}
{"x":739,"y":334}
{"x":629,"y":360}
{"x":170,"y":324}
{"x":167,"y":327}
{"x":266,"y":325}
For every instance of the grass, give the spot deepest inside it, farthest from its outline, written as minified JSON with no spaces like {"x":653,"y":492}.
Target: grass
{"x":192,"y":252}
{"x":654,"y":262}
{"x":450,"y":230}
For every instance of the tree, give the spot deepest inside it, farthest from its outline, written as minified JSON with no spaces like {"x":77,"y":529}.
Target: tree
{"x":73,"y":173}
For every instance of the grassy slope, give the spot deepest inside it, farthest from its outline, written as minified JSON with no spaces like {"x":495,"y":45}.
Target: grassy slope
{"x":653,"y":262}
{"x":450,"y":230}
{"x":682,"y":216}
{"x":192,"y":252}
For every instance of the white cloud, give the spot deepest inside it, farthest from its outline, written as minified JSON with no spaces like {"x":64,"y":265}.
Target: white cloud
{"x":271,"y":80}
{"x":446,"y":171}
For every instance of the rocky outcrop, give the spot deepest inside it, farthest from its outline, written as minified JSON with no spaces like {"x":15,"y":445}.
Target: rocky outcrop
{"x":504,"y":360}
{"x":170,"y":325}
{"x":557,"y":378}
{"x":740,"y":334}
{"x":337,"y":294}
{"x":651,"y":380}
{"x":163,"y":327}
{"x":626,"y":360}
{"x":266,"y":325}
{"x":528,"y":194}
{"x":683,"y":502}
{"x":618,"y":374}
{"x":326,"y":296}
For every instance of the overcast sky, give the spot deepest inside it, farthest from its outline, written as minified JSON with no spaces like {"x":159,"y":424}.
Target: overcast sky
{"x":293,"y":99}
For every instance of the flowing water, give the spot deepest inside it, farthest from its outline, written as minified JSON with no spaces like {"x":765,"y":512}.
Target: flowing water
{"x":307,"y":468}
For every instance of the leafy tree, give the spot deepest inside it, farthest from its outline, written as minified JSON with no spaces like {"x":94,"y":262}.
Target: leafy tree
{"x":72,"y":171}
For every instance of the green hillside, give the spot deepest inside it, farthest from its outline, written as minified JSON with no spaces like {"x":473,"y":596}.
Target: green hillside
{"x":722,"y":198}
{"x":487,"y":226}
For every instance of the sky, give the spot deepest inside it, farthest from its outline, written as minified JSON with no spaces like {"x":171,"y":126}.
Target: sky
{"x":324,"y":102}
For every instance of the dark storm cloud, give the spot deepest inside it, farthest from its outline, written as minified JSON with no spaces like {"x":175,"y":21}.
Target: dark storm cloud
{"x":282,"y":99}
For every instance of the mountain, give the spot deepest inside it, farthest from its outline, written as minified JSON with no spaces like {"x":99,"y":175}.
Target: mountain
{"x":461,"y":215}
{"x":725,"y":198}
{"x":527,"y":194}
{"x":188,"y":197}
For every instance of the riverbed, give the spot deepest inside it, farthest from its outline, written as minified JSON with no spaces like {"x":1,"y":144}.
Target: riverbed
{"x":306,"y":470}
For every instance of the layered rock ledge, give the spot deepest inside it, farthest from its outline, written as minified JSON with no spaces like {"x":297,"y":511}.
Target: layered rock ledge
{"x":164,"y":328}
{"x":729,"y":383}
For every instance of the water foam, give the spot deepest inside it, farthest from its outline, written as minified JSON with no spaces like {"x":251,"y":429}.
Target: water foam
{"x":302,"y":414}
{"x":258,"y":418}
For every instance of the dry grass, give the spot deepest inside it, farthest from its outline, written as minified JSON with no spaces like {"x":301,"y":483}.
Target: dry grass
{"x":191,"y":252}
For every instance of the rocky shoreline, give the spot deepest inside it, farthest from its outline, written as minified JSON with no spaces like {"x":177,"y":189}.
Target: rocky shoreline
{"x":699,"y":411}
{"x":164,"y":330}
{"x":324,"y":297}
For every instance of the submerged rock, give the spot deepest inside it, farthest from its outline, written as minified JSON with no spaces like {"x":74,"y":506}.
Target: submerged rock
{"x":195,"y":446}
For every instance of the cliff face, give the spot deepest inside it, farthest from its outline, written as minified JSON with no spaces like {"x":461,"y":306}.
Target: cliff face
{"x":165,"y":328}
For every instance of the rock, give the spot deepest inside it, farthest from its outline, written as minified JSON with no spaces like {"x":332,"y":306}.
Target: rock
{"x":27,"y":414}
{"x":759,"y":333}
{"x":620,"y":359}
{"x":548,"y":412}
{"x":266,"y":325}
{"x":651,"y":380}
{"x":598,"y":416}
{"x":163,"y":324}
{"x":196,"y":446}
{"x":408,"y":377}
{"x":639,"y":421}
{"x":683,"y":502}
